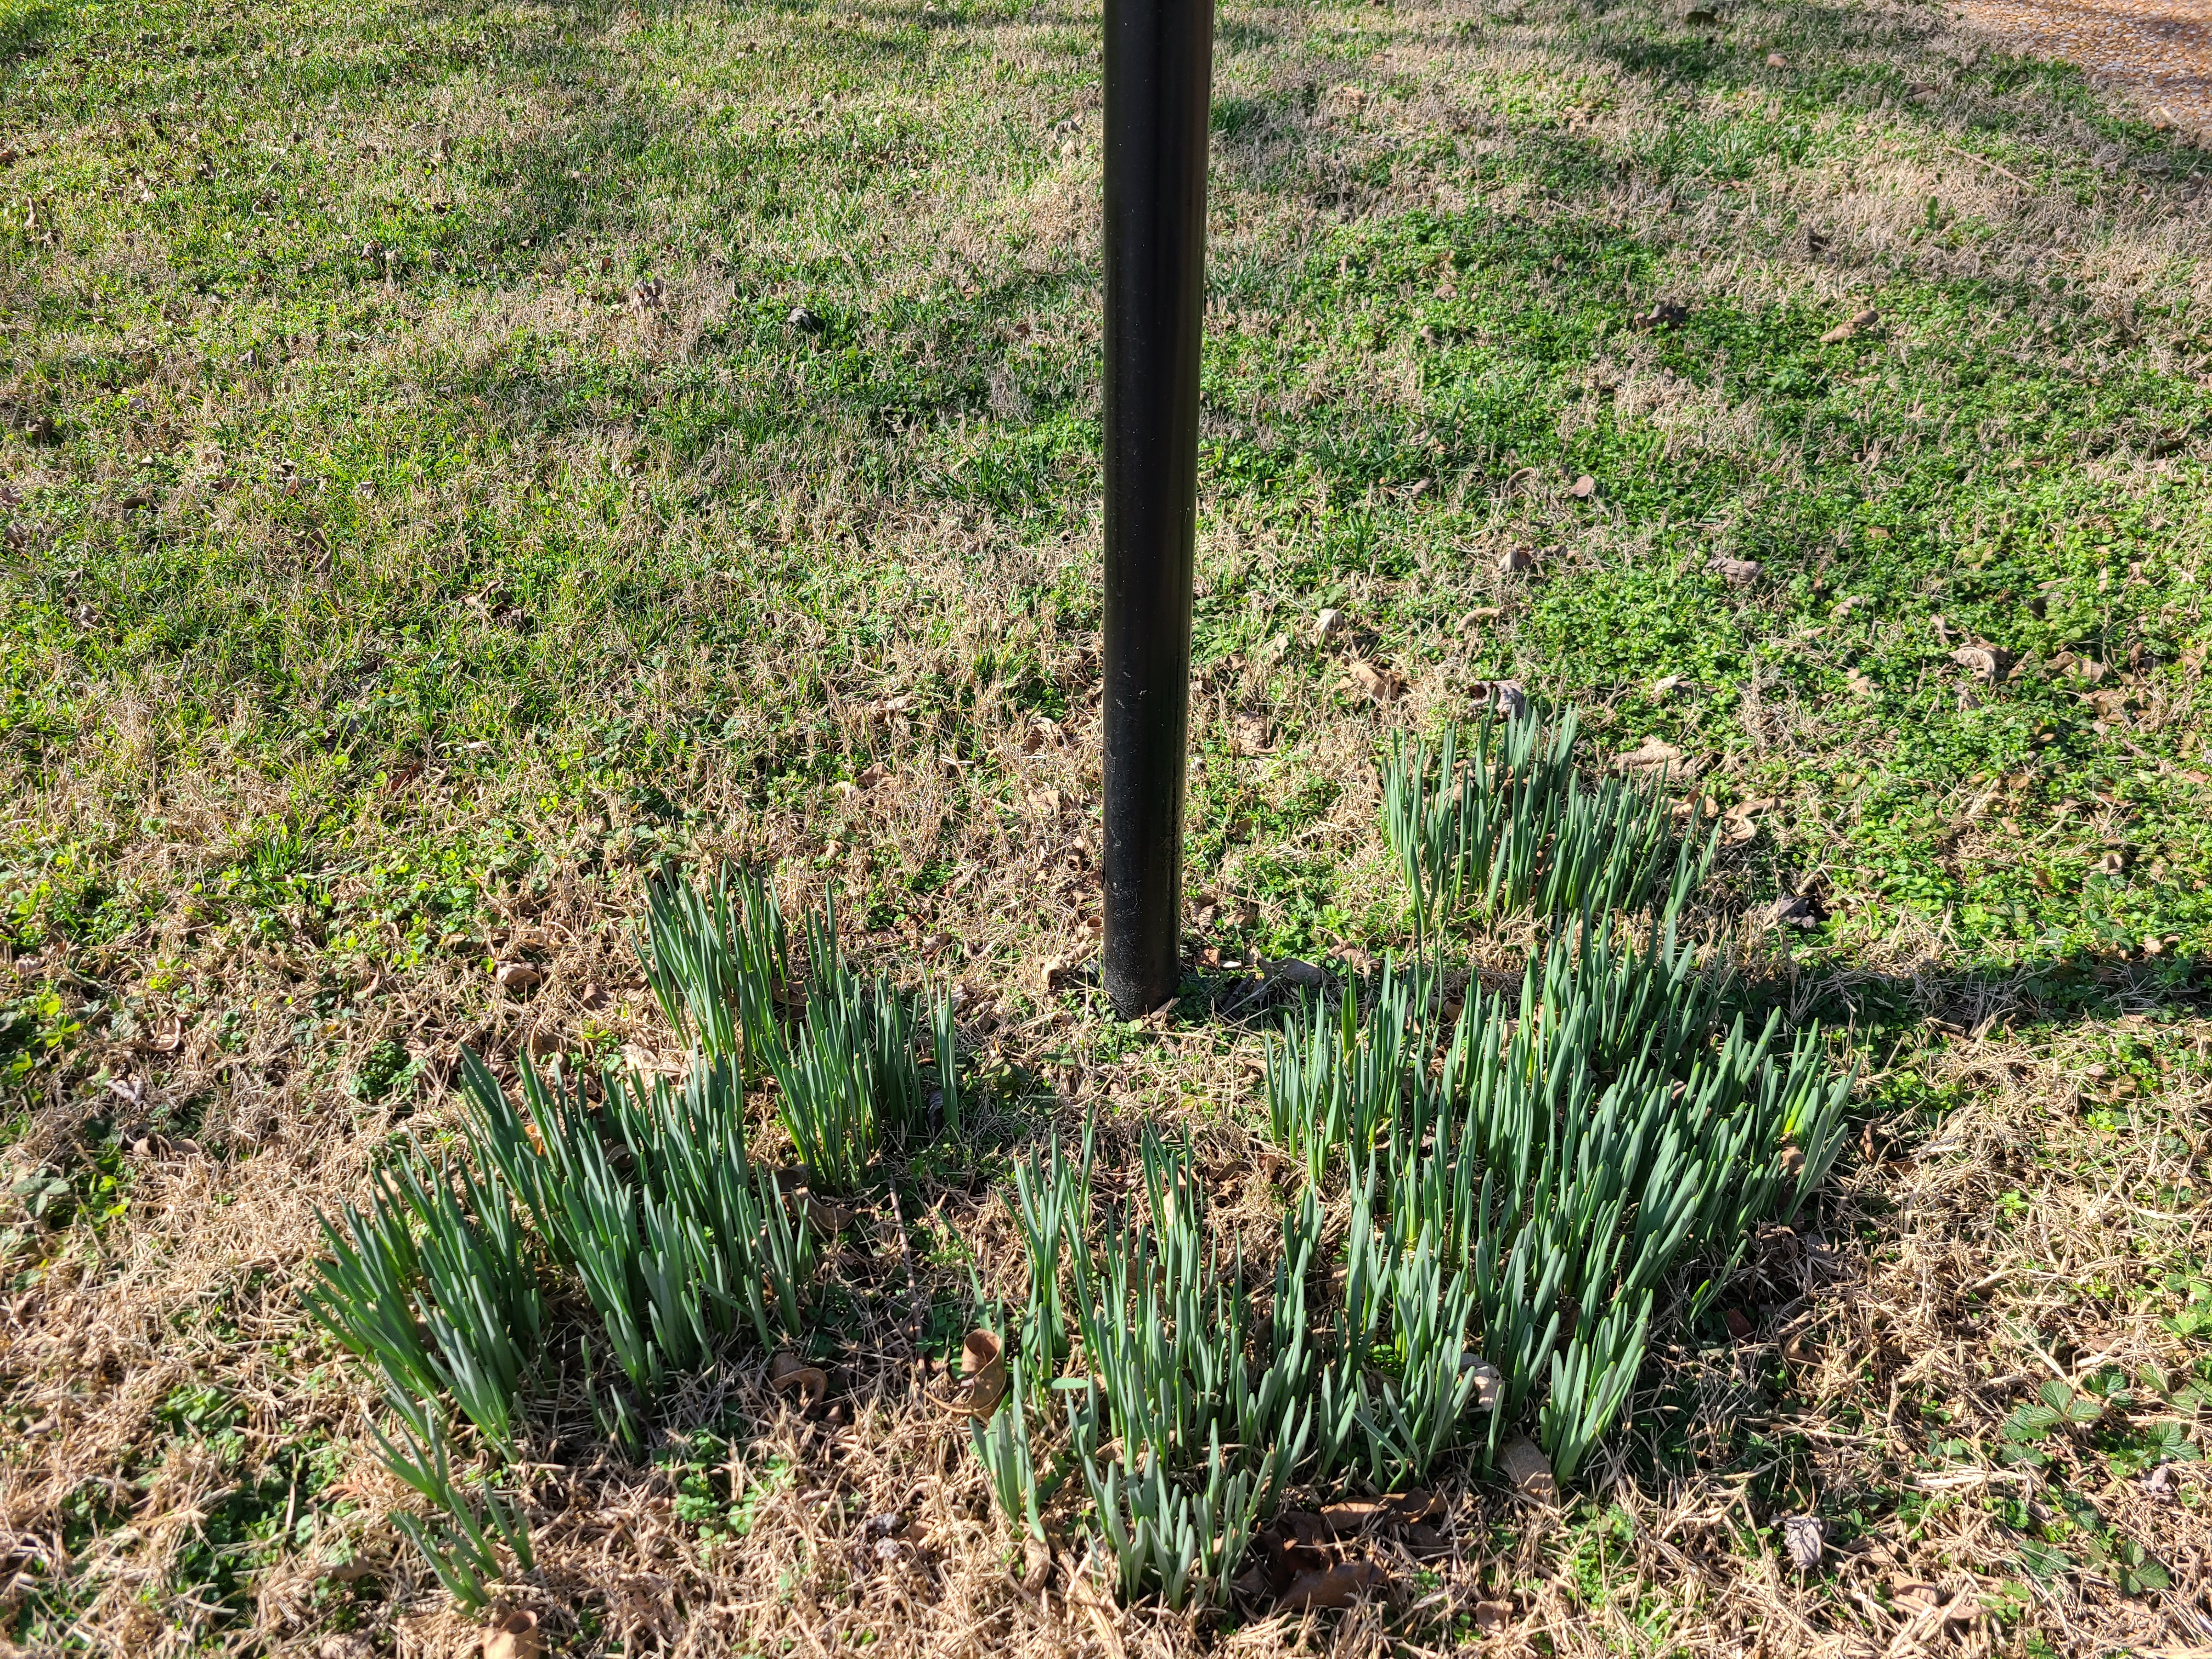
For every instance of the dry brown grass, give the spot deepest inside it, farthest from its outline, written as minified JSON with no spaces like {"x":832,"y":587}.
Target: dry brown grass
{"x":1910,"y":1300}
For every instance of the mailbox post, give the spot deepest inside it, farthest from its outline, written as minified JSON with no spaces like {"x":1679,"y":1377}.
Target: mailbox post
{"x":1158,"y":74}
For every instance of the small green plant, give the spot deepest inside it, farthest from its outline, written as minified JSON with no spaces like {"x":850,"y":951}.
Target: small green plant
{"x":1515,"y":828}
{"x":848,"y":1077}
{"x":716,"y":958}
{"x":437,"y":1288}
{"x":681,"y":1240}
{"x":1002,"y":1447}
{"x":2056,"y":1406}
{"x":1181,"y":1544}
{"x":678,"y":1239}
{"x":460,"y":1548}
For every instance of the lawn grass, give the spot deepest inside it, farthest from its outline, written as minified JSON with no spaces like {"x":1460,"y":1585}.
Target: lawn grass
{"x":458,"y":457}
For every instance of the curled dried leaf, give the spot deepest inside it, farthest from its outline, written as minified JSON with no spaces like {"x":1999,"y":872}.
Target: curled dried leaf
{"x":1736,"y":826}
{"x":826,"y":1218}
{"x":807,"y":1385}
{"x":1379,"y":683}
{"x":982,"y":1372}
{"x":1651,"y":752}
{"x":1793,"y":910}
{"x":517,"y":975}
{"x":1393,"y":1510}
{"x":1051,"y":803}
{"x":1036,"y":1564}
{"x":1506,"y":696}
{"x":514,"y":1636}
{"x":1858,"y":323}
{"x":1986,"y":663}
{"x":1665,"y":314}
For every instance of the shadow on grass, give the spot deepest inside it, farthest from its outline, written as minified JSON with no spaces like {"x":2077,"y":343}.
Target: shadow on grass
{"x":23,"y":37}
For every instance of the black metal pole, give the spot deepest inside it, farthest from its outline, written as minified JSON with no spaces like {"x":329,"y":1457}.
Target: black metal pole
{"x":1159,"y":74}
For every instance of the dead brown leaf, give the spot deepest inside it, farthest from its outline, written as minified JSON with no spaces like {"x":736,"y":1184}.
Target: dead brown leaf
{"x":1803,"y":1536}
{"x":1392,"y":1509}
{"x":1378,"y":683}
{"x":1858,"y":325}
{"x":1337,"y":1586}
{"x":1505,"y":696}
{"x":1792,"y":910}
{"x":1736,"y":826}
{"x":826,"y":1218}
{"x":1489,"y":1387}
{"x":1987,"y":663}
{"x":1583,"y":488}
{"x":517,"y":977}
{"x":1651,"y":752}
{"x":1249,"y":732}
{"x":1036,"y":1564}
{"x":514,"y":1636}
{"x":1522,"y":1462}
{"x":982,"y":1372}
{"x":808,"y":1385}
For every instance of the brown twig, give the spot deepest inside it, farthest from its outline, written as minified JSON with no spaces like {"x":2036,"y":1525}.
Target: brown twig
{"x":1983,"y":161}
{"x":912,"y":1284}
